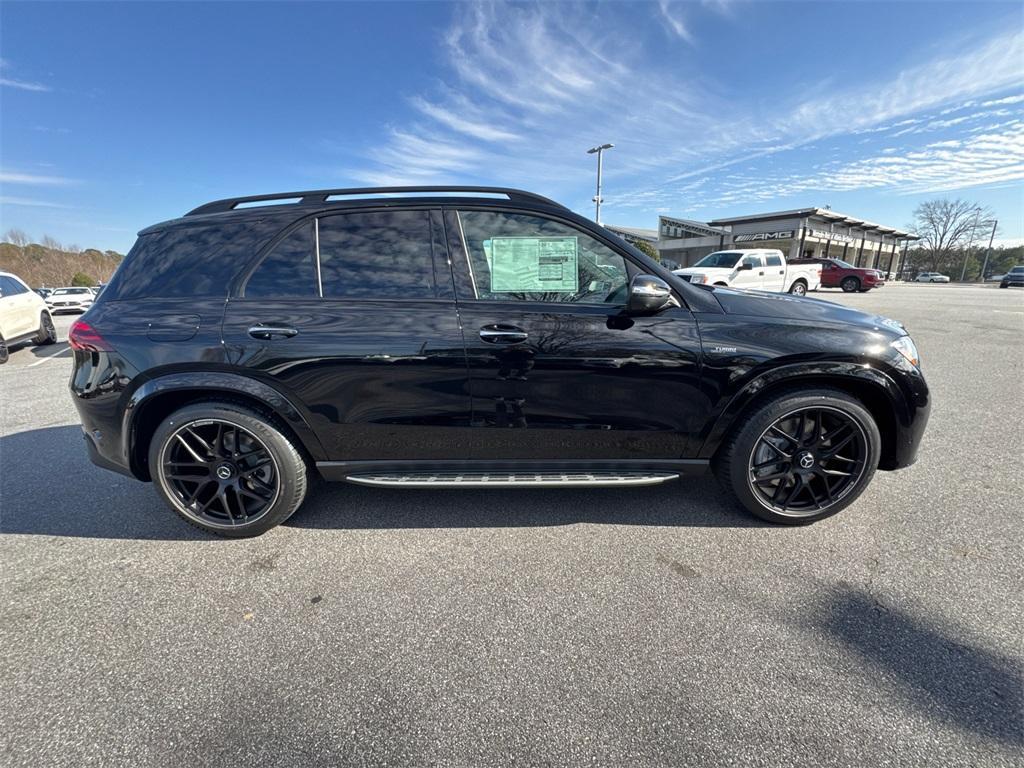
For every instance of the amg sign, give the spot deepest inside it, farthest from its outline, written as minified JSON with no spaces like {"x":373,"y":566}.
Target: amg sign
{"x":785,"y":234}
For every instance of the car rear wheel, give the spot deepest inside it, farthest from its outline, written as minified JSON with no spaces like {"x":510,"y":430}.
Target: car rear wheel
{"x":798,"y":288}
{"x":227,"y":469}
{"x":801,"y":456}
{"x":47,"y":333}
{"x":850,"y":284}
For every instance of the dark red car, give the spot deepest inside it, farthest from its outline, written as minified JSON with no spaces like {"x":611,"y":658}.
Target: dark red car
{"x":839,"y":274}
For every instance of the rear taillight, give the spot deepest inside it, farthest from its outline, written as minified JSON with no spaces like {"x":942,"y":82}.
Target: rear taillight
{"x":84,"y":337}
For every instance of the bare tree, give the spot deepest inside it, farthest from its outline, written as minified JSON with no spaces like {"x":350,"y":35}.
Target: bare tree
{"x":50,"y":243}
{"x":947,"y":227}
{"x":17,"y":237}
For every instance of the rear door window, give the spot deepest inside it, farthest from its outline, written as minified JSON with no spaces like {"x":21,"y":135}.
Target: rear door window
{"x":376,"y":255}
{"x":289,"y":270}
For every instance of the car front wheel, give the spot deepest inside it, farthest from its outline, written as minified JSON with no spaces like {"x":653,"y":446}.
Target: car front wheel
{"x":801,"y":457}
{"x":4,"y":354}
{"x":227,"y":469}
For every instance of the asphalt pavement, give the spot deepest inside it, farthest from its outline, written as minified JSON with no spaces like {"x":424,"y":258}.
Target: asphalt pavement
{"x":648,"y":626}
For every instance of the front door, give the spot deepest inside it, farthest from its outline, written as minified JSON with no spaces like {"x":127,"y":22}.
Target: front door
{"x":557,"y":370}
{"x":19,"y":312}
{"x":348,"y":317}
{"x":750,"y":273}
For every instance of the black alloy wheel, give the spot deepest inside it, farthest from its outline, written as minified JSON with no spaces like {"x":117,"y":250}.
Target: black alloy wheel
{"x":800,"y":455}
{"x":47,"y":333}
{"x":219,"y":473}
{"x":850,"y":285}
{"x":807,"y":461}
{"x":226,"y":468}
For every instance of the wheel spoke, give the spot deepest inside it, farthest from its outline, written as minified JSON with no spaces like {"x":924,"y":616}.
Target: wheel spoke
{"x":768,"y":478}
{"x":188,"y":447}
{"x":766,"y":464}
{"x":789,"y":437}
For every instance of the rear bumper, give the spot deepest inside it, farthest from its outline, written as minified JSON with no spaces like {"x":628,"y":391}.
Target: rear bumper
{"x":100,"y":460}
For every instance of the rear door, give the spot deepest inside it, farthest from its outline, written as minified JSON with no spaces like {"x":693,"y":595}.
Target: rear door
{"x":752,"y":278}
{"x":774,"y":273}
{"x":557,"y":370}
{"x":352,"y":315}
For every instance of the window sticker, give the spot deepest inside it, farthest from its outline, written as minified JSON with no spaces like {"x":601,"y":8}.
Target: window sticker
{"x":528,"y":264}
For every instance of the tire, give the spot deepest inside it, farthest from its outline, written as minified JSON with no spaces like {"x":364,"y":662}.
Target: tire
{"x":747,"y":465}
{"x":1001,"y":285}
{"x":798,"y":288}
{"x":264,"y":474}
{"x":4,"y":353}
{"x":47,"y":333}
{"x":850,"y":285}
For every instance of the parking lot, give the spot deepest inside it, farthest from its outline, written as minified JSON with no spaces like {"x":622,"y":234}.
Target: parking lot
{"x":652,"y":626}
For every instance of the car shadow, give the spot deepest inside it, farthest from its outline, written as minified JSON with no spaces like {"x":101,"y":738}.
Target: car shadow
{"x":947,"y":679}
{"x":46,"y":350}
{"x":48,"y":487}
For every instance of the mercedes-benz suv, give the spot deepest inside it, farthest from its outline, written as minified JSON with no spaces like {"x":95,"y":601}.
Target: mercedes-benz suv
{"x":469,"y":337}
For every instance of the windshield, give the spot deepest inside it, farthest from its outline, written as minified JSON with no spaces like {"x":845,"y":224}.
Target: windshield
{"x":1016,"y":270}
{"x":726,"y":259}
{"x":843,"y":264}
{"x":65,"y":291}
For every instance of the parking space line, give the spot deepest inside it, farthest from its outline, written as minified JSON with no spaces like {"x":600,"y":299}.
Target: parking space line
{"x":48,"y":357}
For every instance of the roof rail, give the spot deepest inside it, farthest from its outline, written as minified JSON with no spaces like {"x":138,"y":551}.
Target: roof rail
{"x":319,"y":196}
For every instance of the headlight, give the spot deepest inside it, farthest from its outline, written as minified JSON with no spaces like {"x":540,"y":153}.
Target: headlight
{"x":699,"y":279}
{"x":905,"y":346}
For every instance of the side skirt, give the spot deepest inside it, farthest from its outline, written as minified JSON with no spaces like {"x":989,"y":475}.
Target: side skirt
{"x":525,"y":472}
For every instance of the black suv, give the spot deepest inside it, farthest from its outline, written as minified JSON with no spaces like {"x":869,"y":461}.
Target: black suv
{"x":436,"y":337}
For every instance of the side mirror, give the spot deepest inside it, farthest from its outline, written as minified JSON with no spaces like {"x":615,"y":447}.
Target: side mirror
{"x":648,"y":294}
{"x":741,"y":267}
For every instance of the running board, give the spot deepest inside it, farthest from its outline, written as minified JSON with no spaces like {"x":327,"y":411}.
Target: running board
{"x":518,"y":479}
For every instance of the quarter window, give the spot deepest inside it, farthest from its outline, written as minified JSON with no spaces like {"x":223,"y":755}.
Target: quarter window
{"x":376,"y":255}
{"x":289,"y":270}
{"x":11,"y":287}
{"x":518,"y":257}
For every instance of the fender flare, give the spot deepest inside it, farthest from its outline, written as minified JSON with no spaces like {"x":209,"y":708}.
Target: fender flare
{"x":216,"y":383}
{"x":804,"y":373}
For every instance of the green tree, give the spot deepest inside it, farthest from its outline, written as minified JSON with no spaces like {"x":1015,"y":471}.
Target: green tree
{"x":648,"y":248}
{"x":81,"y":278}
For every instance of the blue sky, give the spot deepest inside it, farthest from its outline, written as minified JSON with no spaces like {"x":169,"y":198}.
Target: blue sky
{"x":118,"y":116}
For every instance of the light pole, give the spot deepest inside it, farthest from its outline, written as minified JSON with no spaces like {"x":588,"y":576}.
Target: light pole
{"x":600,"y":164}
{"x":988,"y":251}
{"x":974,"y":233}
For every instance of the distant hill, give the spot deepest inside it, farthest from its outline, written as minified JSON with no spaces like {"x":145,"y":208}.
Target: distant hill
{"x":53,"y":266}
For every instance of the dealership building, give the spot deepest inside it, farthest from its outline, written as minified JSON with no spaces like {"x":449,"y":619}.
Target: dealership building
{"x":806,"y":232}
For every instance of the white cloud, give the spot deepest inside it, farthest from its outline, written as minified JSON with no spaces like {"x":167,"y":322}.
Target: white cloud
{"x":28,"y":203}
{"x":532,"y":86}
{"x":23,"y":85}
{"x":674,"y":21}
{"x":12,"y":177}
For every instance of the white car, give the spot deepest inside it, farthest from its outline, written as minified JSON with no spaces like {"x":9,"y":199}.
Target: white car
{"x":70,"y":300}
{"x":23,"y":316}
{"x":761,"y":269}
{"x":931,"y":277}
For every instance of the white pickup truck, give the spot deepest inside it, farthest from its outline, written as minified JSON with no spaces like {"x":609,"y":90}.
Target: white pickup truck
{"x":760,"y":270}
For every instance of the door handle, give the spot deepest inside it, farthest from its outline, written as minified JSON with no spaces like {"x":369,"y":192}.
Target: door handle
{"x":761,"y":274}
{"x":503,"y":334}
{"x":268,"y":332}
